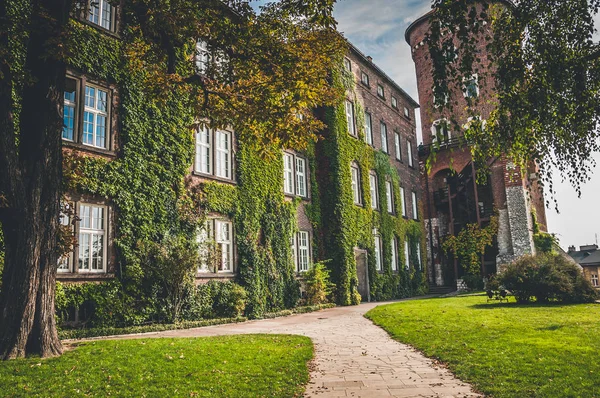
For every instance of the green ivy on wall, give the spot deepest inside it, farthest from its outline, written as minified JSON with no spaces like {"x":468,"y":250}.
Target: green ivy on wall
{"x":347,"y":225}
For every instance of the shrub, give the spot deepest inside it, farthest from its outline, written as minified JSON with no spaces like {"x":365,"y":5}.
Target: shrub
{"x":547,"y":277}
{"x":544,"y":242}
{"x":217,"y":299}
{"x":170,"y":265}
{"x":317,"y":284}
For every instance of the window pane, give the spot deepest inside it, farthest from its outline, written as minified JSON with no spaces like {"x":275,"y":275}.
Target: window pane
{"x":368,"y":129}
{"x":203,"y":150}
{"x":403,"y":201}
{"x":288,"y":173}
{"x":389,"y":197}
{"x":406,"y":255}
{"x":373,"y":189}
{"x":384,"y":143}
{"x":350,"y":118}
{"x":107,"y":11}
{"x":301,"y":176}
{"x":409,"y":153}
{"x":94,"y":14}
{"x":394,"y":255}
{"x":377,"y":253}
{"x":397,"y":146}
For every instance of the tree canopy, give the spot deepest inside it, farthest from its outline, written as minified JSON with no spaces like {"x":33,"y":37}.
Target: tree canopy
{"x":545,"y":79}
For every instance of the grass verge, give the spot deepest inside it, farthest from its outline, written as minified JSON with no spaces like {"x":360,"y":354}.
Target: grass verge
{"x":226,"y":366}
{"x":504,"y":350}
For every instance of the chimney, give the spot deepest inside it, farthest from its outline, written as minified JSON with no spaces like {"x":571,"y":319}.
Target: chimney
{"x":588,"y":248}
{"x":571,"y":249}
{"x":370,"y":58}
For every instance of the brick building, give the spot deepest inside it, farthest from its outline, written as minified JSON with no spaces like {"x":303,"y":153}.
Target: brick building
{"x":453,"y":196}
{"x":94,"y":129}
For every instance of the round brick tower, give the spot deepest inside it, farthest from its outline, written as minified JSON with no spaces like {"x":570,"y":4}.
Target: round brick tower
{"x":453,"y":197}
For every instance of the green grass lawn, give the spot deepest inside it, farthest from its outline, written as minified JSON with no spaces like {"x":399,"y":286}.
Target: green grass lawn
{"x":504,"y":350}
{"x":232,"y":366}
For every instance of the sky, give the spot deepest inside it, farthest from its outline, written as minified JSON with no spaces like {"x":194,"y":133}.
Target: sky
{"x":377,"y":28}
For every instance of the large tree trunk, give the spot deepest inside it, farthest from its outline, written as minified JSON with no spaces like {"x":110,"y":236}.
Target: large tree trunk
{"x":32,"y":188}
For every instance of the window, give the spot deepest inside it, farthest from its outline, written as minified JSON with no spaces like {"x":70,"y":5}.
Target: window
{"x":414,"y":206}
{"x":356,"y":184}
{"x":406,"y":112}
{"x":69,"y":110}
{"x":440,"y":132}
{"x":203,"y":150}
{"x":378,"y":259}
{"x":90,"y":253}
{"x":394,"y":102}
{"x":216,"y":246}
{"x":380,"y":91}
{"x":288,"y":173}
{"x":301,"y":177}
{"x":214,"y":152}
{"x":389,"y":196}
{"x":223,"y":154}
{"x":384,"y":143}
{"x":92,"y":238}
{"x":350,"y":118}
{"x":94,"y":129}
{"x":403,"y":196}
{"x":419,"y":265}
{"x":373,"y":189}
{"x":347,"y":65}
{"x":471,"y":86}
{"x":202,"y":57}
{"x":409,"y":154}
{"x":406,"y":255}
{"x":368,"y":129}
{"x":397,"y":146}
{"x":294,"y":166}
{"x":294,"y":250}
{"x":394,"y":254}
{"x":103,"y":14}
{"x":303,"y":251}
{"x":595,"y":280}
{"x":364,"y":78}
{"x":439,"y":101}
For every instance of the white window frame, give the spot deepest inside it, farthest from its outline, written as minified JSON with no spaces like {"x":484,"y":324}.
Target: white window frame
{"x":288,"y":173}
{"x":223,"y":152}
{"x":397,"y":147}
{"x":65,"y":263}
{"x":420,"y":265}
{"x":202,"y":57}
{"x":301,"y":186}
{"x":394,"y":254}
{"x":355,"y":177}
{"x":394,"y":102}
{"x":373,"y":187}
{"x":415,"y":209}
{"x":224,"y":244}
{"x":364,"y":78}
{"x":442,"y":125}
{"x":383,"y":132}
{"x":403,"y":196}
{"x":92,"y":231}
{"x":303,"y":251}
{"x":98,"y":18}
{"x":406,"y":254}
{"x":350,"y":118}
{"x":378,"y":251}
{"x":594,"y":279}
{"x":380,"y":91}
{"x":203,"y":161}
{"x":368,"y":129}
{"x":409,"y":154}
{"x":467,"y":83}
{"x":96,"y":114}
{"x":347,"y":64}
{"x":389,"y":196}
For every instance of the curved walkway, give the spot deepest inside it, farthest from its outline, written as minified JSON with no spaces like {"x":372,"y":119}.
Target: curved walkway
{"x":353,"y":357}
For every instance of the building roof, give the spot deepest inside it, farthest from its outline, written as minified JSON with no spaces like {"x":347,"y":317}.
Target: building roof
{"x":369,"y":61}
{"x":586,"y":255}
{"x":510,"y":3}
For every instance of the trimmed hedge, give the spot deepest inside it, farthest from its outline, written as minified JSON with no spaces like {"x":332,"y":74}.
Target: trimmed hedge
{"x":71,"y":334}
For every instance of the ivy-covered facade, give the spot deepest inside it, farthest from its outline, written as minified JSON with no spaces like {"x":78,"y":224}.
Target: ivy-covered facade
{"x":139,"y":168}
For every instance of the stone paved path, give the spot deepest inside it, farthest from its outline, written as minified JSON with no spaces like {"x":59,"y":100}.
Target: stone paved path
{"x":353,"y":357}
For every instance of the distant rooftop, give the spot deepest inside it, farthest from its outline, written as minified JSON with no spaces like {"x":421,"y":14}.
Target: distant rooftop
{"x":586,"y":255}
{"x":391,"y":81}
